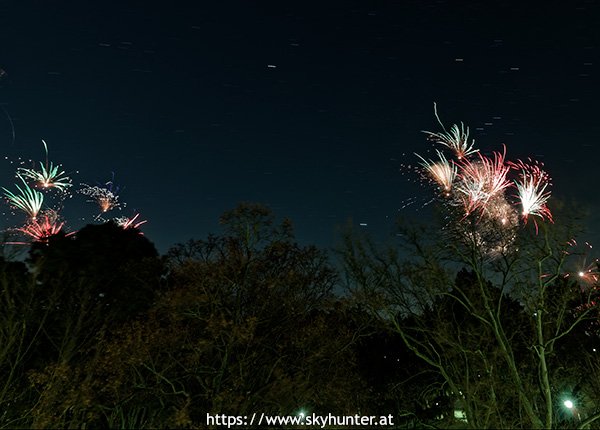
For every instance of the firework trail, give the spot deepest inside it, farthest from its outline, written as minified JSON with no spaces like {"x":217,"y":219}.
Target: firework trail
{"x":27,"y":199}
{"x":49,"y":175}
{"x":457,"y":139}
{"x":12,"y":125}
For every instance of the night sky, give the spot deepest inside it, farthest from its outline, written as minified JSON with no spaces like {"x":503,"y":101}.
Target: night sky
{"x":309,"y":107}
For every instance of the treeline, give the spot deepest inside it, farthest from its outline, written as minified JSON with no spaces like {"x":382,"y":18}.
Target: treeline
{"x":98,"y":330}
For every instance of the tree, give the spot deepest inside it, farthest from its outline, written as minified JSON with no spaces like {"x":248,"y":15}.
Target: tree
{"x":86,"y":286}
{"x":494,"y":327}
{"x":20,"y":329}
{"x":92,"y":280}
{"x":248,"y":322}
{"x":400,"y":383}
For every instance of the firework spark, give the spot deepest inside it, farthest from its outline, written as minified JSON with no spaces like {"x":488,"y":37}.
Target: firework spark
{"x":104,"y":197}
{"x":442,"y":172}
{"x":457,"y":139}
{"x":27,"y":199}
{"x":41,"y":228}
{"x":589,"y":274}
{"x":482,"y":180}
{"x":49,"y":175}
{"x":531,"y":190}
{"x":502,"y":212}
{"x":586,"y":273}
{"x":126,"y":222}
{"x":481,"y":212}
{"x":492,"y":232}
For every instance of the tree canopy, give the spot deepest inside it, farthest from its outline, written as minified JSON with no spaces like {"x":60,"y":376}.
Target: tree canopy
{"x":99,"y":330}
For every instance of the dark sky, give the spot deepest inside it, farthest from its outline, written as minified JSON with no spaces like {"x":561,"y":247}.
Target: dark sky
{"x":309,"y":107}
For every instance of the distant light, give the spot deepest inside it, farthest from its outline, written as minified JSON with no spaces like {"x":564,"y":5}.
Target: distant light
{"x":363,"y":224}
{"x":568,"y":404}
{"x":271,"y":66}
{"x":459,"y":60}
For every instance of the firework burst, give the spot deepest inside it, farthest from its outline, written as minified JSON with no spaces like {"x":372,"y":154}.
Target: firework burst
{"x":442,"y":172}
{"x":457,"y":139}
{"x":49,"y":175}
{"x":33,"y":197}
{"x":126,"y":222}
{"x":502,"y":212}
{"x":531,"y":190}
{"x":481,"y":180}
{"x":27,"y":199}
{"x":476,"y":193}
{"x":104,"y":197}
{"x":41,"y":228}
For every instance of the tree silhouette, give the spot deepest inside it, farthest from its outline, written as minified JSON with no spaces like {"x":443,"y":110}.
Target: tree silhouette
{"x":499,"y":331}
{"x":93,"y":280}
{"x":247,"y":322}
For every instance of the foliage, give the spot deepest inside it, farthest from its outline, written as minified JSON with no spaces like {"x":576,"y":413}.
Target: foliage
{"x":99,"y":331}
{"x":239,"y":323}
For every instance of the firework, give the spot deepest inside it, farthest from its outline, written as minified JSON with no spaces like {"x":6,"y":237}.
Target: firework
{"x":502,"y":212}
{"x":104,"y":196}
{"x":27,"y":199}
{"x":586,"y":273}
{"x":442,"y":172}
{"x":476,"y":189}
{"x":457,"y":139}
{"x":41,"y":228}
{"x":492,"y":231}
{"x":531,"y":190}
{"x":481,"y":180}
{"x":471,"y":188}
{"x":589,"y":274}
{"x":126,"y":222}
{"x":49,"y":175}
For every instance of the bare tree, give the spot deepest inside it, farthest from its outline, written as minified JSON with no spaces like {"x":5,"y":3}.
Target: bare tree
{"x":489,"y":319}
